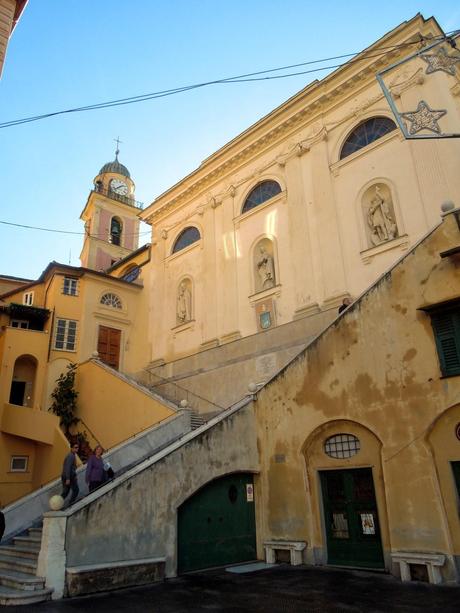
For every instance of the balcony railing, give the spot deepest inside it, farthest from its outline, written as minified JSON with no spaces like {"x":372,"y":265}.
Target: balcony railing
{"x":114,"y":196}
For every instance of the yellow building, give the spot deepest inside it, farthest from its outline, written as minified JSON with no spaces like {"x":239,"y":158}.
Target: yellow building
{"x":69,"y":315}
{"x":359,"y":436}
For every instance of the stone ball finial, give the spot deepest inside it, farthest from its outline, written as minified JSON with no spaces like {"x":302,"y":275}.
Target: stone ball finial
{"x":184,"y":403}
{"x":447,"y":206}
{"x":56,"y":502}
{"x":252,"y":387}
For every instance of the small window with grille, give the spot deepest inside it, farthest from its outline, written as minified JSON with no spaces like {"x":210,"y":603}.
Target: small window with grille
{"x":111,"y":300}
{"x":342,"y":446}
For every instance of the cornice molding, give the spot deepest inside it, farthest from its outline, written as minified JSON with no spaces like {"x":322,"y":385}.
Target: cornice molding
{"x":320,"y":104}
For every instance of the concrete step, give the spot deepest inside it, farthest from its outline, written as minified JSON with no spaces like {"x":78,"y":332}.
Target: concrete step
{"x":23,"y":565}
{"x":20,"y":552}
{"x":30,"y":542}
{"x":196,"y":420}
{"x":11,"y":596}
{"x":20,"y":580}
{"x":36,"y":532}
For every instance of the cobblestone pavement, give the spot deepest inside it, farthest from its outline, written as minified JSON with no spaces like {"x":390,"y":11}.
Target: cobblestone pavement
{"x":283,"y":589}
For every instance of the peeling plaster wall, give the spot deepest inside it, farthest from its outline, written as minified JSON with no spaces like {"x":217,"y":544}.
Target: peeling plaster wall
{"x":374,"y":372}
{"x":137,"y":518}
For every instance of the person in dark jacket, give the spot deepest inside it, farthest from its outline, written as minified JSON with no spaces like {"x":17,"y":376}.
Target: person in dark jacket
{"x":69,"y":474}
{"x":95,"y":474}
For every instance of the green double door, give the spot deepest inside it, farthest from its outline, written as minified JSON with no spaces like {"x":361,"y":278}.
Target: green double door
{"x":350,"y":513}
{"x":216,"y":526}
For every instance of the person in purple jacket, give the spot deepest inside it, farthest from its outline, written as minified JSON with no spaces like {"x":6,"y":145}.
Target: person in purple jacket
{"x":95,"y":475}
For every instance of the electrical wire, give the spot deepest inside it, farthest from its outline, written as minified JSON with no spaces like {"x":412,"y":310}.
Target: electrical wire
{"x":26,"y":227}
{"x":244,"y":78}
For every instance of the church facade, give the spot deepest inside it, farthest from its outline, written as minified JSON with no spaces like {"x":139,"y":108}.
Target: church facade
{"x":306,"y":207}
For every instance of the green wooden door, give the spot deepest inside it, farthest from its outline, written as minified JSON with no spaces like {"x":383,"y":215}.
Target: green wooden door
{"x":350,"y":513}
{"x":216,"y":526}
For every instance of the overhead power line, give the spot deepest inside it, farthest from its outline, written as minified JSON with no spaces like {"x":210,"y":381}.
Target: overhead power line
{"x":20,"y":225}
{"x":261,"y":75}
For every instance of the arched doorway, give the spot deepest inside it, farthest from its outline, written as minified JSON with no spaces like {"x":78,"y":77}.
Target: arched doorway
{"x":216,"y":525}
{"x":344,"y":468}
{"x":23,"y":381}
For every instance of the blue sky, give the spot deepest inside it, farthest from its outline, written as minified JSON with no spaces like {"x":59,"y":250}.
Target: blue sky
{"x":77,"y":52}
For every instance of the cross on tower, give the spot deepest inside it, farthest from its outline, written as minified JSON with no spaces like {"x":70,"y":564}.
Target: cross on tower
{"x":117,"y":151}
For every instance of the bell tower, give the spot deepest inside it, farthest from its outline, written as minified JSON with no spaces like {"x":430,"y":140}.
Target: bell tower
{"x":111,"y":217}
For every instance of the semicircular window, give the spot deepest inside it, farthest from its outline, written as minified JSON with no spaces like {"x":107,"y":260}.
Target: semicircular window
{"x":366,"y":133}
{"x":187,"y":237}
{"x":131,"y":274}
{"x":111,"y":300}
{"x":260,"y":194}
{"x":342,"y":446}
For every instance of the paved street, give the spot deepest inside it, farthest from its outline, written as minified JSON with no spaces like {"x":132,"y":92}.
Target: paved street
{"x":282,"y":589}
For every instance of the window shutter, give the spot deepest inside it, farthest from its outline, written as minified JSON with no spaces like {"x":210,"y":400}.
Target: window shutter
{"x":446,"y":328}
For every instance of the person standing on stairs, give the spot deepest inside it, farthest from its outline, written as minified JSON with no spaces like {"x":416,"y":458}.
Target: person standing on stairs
{"x":95,"y":469}
{"x":69,"y":474}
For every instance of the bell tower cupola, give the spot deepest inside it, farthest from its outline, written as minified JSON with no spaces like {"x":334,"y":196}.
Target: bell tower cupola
{"x":111,"y":217}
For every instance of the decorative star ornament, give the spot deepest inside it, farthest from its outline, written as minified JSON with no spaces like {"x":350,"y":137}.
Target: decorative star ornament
{"x":424,"y":118}
{"x":440,"y":60}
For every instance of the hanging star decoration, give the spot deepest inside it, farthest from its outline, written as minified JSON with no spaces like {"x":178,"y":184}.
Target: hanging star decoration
{"x":440,"y":60}
{"x":424,"y":118}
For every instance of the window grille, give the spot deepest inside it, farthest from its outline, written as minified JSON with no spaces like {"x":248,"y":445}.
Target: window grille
{"x":111,"y":300}
{"x":260,"y":194}
{"x":66,"y":333}
{"x":70,"y":286}
{"x":342,"y":446}
{"x":366,"y":133}
{"x":186,"y":237}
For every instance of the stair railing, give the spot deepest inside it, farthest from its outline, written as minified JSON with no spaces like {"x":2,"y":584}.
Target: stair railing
{"x":180,"y":396}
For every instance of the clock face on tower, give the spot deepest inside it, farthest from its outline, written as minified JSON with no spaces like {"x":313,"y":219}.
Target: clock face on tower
{"x":119,"y":187}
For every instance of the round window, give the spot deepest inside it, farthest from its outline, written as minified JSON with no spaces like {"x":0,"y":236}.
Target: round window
{"x":342,"y":446}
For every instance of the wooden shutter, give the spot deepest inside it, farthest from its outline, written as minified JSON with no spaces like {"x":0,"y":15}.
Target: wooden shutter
{"x":446,"y":326}
{"x":108,"y":346}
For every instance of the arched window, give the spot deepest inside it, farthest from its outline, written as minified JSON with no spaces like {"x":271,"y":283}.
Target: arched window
{"x":186,"y":237}
{"x":131,"y":274}
{"x":366,"y":133}
{"x":115,"y":231}
{"x":260,"y":194}
{"x":111,"y":300}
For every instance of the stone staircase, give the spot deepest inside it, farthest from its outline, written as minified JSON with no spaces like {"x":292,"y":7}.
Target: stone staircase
{"x":18,"y":565}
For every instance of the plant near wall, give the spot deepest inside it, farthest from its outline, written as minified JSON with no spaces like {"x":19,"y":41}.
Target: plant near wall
{"x":65,"y":399}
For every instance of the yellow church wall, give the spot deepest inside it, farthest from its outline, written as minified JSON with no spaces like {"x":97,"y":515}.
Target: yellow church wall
{"x":115,"y":416}
{"x":318,"y":224}
{"x":373,"y":373}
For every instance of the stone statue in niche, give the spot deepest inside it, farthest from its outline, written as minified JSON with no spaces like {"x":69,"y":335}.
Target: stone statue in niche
{"x":380,"y":216}
{"x":184,"y":304}
{"x":265,"y":268}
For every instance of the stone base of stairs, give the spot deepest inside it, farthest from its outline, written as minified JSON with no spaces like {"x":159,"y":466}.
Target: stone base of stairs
{"x":12,"y":596}
{"x":19,"y":583}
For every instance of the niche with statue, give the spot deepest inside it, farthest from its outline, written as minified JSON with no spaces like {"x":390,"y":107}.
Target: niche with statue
{"x":379,"y":215}
{"x":184,"y":302}
{"x":264,"y":265}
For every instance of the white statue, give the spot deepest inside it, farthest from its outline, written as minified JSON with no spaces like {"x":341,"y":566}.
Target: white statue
{"x":379,"y":217}
{"x":265,"y":268}
{"x":184,"y":304}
